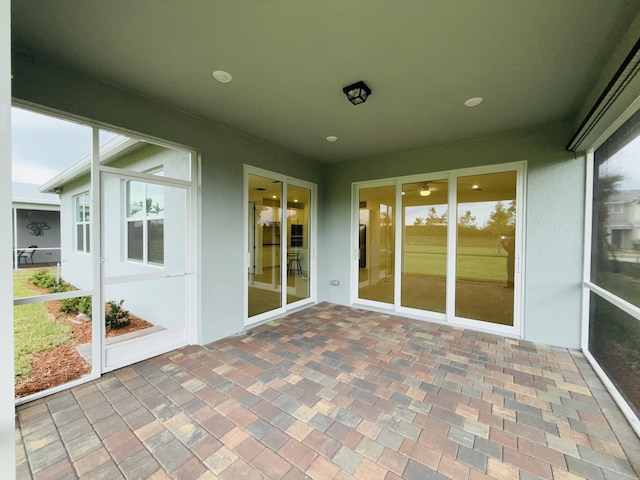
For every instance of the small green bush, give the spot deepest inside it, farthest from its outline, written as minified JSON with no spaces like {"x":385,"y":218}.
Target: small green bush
{"x":43,"y":279}
{"x":77,"y":304}
{"x":115,"y":316}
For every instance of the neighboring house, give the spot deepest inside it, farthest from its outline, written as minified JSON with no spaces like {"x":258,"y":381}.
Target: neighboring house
{"x":623,"y":222}
{"x":36,"y":225}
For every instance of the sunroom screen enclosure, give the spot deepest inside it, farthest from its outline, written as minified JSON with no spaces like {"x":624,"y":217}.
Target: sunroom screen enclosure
{"x":128,"y":252}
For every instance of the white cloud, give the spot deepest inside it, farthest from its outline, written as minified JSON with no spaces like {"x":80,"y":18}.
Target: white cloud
{"x":30,"y":172}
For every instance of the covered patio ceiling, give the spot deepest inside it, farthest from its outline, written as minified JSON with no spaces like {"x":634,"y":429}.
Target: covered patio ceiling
{"x":534,"y":63}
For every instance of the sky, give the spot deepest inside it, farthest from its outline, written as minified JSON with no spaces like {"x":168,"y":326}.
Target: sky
{"x":42,"y":146}
{"x":480,"y":210}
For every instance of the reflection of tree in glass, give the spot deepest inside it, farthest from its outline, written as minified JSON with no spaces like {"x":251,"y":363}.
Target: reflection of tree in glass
{"x":501,"y":221}
{"x":153,"y":207}
{"x":467,"y":221}
{"x":605,"y":188}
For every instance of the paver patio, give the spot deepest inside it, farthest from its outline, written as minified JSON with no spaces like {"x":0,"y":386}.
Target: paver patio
{"x":333,"y":392}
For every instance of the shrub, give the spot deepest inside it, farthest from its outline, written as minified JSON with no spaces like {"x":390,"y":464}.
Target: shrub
{"x":43,"y":279}
{"x":77,"y":304}
{"x":115,"y":316}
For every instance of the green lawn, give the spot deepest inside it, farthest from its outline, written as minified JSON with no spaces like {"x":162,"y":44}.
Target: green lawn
{"x":483,"y":263}
{"x":33,"y":330}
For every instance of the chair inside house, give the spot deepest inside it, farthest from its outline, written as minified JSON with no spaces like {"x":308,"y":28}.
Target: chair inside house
{"x":27,"y":254}
{"x":293,"y":263}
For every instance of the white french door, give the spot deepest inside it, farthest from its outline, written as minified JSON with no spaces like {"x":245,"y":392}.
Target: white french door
{"x":146,"y":264}
{"x":280,"y":239}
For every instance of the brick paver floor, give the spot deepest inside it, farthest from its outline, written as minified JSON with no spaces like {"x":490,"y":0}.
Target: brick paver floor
{"x":333,"y":393}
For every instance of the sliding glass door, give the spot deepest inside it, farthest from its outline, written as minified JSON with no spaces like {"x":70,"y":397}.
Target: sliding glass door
{"x":280,"y":263}
{"x":485,"y":248}
{"x":460,"y":243}
{"x":265,"y":237}
{"x":425,"y":212}
{"x":376,"y":243}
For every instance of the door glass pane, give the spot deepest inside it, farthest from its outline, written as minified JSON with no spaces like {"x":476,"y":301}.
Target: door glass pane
{"x":485,"y":256}
{"x":265,"y":219}
{"x":376,"y":243}
{"x":298,"y":259}
{"x":424,"y":245}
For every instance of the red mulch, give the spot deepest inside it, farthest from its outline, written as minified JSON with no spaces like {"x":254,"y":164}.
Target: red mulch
{"x":63,"y":364}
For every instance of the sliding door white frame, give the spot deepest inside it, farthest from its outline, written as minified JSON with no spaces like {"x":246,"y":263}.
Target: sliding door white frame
{"x":449,"y":317}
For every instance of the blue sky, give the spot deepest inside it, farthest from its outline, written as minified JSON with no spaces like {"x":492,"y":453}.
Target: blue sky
{"x":42,"y":146}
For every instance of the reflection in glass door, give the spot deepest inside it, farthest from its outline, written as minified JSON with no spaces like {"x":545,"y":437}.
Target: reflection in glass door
{"x":376,"y":244}
{"x":425,"y":210}
{"x":265,"y":237}
{"x":485,"y":254}
{"x":460,"y":242}
{"x":298,"y":251}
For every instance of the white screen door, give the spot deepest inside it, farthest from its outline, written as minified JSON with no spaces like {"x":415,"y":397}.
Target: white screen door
{"x":146,"y":272}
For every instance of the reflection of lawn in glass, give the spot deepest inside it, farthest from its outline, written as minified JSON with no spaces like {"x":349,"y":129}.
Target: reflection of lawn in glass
{"x":486,"y":264}
{"x":33,"y":331}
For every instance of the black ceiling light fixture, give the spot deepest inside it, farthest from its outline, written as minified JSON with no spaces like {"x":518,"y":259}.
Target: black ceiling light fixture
{"x":357,"y":93}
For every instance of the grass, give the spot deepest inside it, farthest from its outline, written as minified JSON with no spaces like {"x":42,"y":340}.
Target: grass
{"x":33,"y":330}
{"x":478,"y":263}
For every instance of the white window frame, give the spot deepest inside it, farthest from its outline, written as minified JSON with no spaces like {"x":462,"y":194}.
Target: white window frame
{"x":589,"y":288}
{"x":145,"y":219}
{"x":82,"y":200}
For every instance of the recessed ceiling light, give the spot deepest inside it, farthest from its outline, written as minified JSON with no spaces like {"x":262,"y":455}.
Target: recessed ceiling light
{"x":222,"y":76}
{"x":473,"y":102}
{"x":332,"y":138}
{"x":275,"y":196}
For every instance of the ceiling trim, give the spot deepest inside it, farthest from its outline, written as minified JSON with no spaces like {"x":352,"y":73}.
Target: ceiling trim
{"x":615,"y":87}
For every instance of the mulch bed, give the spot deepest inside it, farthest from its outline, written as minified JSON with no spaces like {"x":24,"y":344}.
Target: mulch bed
{"x":63,"y":364}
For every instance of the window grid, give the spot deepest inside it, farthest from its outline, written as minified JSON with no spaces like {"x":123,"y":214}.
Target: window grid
{"x":144,"y":227}
{"x":82,"y":222}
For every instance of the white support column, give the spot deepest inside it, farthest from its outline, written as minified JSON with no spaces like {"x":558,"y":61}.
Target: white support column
{"x":7,"y":397}
{"x":95,"y":245}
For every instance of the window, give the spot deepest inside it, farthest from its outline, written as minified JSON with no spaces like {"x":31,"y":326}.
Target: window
{"x":82,"y":221}
{"x":145,"y":222}
{"x":613,"y":287}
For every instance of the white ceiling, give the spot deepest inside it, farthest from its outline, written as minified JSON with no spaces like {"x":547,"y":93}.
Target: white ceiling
{"x":533,"y":62}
